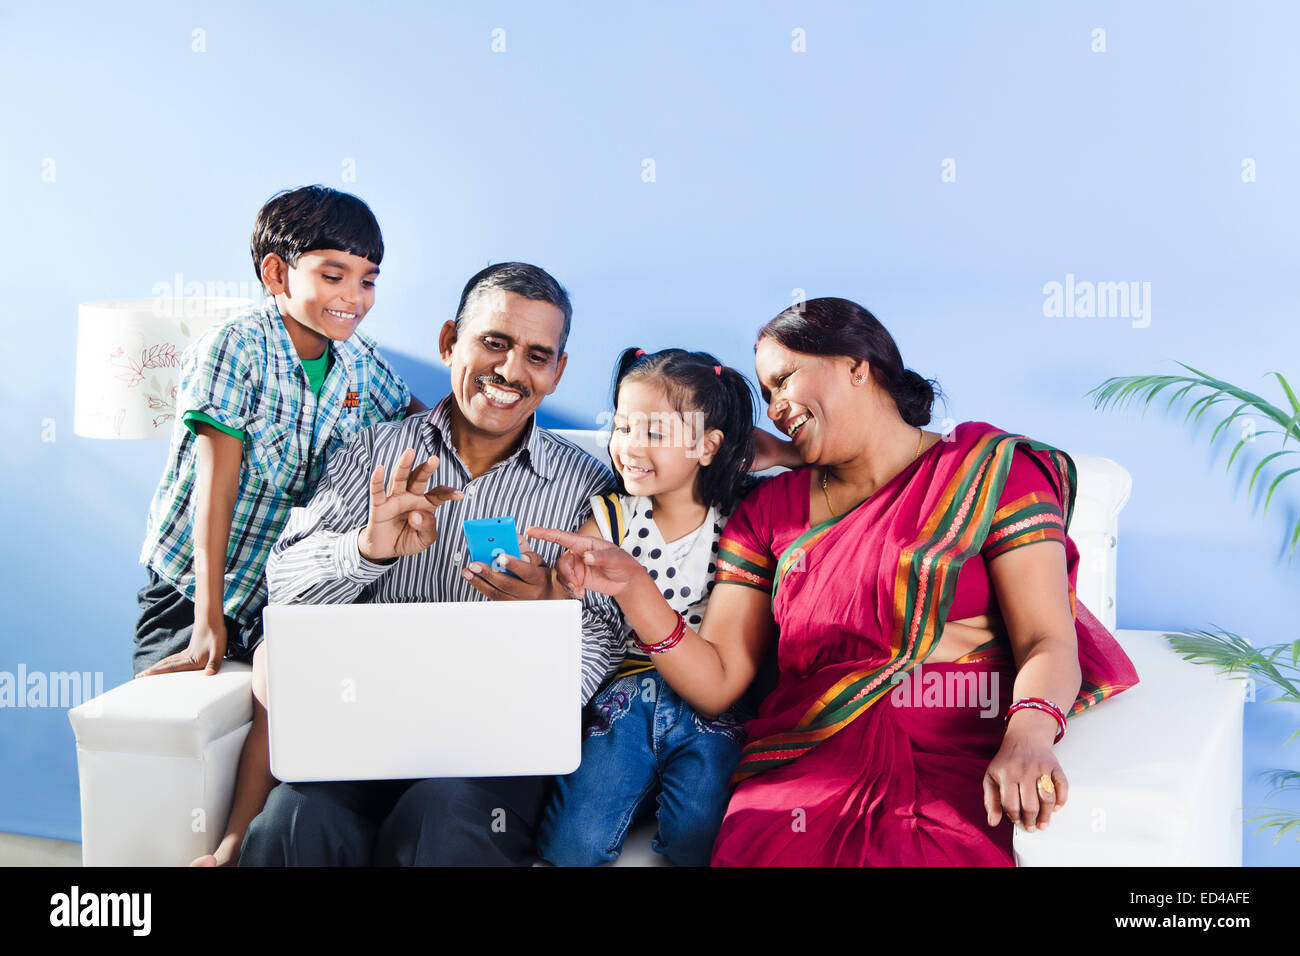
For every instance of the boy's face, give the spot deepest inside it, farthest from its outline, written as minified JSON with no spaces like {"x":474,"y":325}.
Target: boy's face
{"x":505,"y":359}
{"x":325,"y":296}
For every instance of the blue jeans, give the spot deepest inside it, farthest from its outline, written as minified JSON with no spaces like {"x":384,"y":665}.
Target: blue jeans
{"x":644,"y":737}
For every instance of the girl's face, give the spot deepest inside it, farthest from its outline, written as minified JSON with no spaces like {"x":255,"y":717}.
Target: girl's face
{"x":809,"y":397}
{"x":657,"y":449}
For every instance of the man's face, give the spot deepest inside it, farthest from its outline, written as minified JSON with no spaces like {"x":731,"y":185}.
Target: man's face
{"x":505,"y":359}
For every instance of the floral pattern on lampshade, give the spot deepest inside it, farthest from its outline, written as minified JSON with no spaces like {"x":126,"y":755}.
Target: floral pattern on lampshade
{"x":129,"y":358}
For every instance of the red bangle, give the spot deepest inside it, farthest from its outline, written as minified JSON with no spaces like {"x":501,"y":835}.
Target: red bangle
{"x":1046,"y":706}
{"x":668,"y":643}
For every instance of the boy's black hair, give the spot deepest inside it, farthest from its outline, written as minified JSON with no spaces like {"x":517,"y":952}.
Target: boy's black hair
{"x":297,"y":221}
{"x":698,"y":382}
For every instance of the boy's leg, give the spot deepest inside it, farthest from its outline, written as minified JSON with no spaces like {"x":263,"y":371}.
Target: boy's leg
{"x":588,"y":815}
{"x":697,"y":768}
{"x":165,"y":625}
{"x":254,"y":782}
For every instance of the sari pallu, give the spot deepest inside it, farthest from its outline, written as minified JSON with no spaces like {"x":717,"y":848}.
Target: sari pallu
{"x":833,"y":773}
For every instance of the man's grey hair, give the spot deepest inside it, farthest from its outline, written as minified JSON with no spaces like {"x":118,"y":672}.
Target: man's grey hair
{"x":531,"y":282}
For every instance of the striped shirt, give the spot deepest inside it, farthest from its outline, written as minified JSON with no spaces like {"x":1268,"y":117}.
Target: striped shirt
{"x":245,"y":374}
{"x":547,"y":481}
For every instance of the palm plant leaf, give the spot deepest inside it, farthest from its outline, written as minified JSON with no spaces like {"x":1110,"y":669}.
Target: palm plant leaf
{"x":1122,"y":391}
{"x":1291,"y":396}
{"x":1228,"y":421}
{"x":1229,"y":652}
{"x":1235,"y":655}
{"x":1273,"y":487}
{"x":1283,"y":780}
{"x":1282,"y":820}
{"x":1179,"y":394}
{"x":1264,"y":463}
{"x":1247,"y":440}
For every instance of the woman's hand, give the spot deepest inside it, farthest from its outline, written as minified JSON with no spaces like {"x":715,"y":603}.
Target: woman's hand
{"x":589,"y":562}
{"x":770,"y":451}
{"x":1013,"y":783}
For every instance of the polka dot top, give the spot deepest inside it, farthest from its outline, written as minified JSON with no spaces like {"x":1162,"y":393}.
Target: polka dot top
{"x":682,"y":569}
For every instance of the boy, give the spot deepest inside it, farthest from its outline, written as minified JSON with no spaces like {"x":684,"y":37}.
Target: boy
{"x":264,"y":397}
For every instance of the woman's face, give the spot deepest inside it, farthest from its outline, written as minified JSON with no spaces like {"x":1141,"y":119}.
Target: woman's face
{"x":810,"y":398}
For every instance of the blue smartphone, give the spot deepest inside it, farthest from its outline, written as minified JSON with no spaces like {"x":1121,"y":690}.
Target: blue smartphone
{"x":489,"y":538}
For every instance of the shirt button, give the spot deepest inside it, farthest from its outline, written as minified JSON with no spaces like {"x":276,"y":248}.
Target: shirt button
{"x":457,"y":556}
{"x":469,"y":491}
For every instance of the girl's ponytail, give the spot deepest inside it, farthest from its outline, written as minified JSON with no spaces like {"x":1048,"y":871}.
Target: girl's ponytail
{"x":626,"y":359}
{"x":731,"y":480}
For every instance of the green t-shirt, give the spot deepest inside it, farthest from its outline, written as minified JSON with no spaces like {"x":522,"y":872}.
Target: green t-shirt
{"x":316,"y":370}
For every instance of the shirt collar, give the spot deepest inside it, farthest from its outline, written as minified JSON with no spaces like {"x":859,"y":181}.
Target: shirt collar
{"x":535,"y":450}
{"x":286,"y":356}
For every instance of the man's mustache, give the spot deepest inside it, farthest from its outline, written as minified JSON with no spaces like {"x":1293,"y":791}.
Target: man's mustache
{"x":500,"y":382}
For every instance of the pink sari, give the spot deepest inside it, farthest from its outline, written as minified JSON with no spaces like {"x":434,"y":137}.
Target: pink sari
{"x":863,"y":755}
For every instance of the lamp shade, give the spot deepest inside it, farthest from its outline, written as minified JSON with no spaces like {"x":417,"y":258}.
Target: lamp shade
{"x":129,"y":358}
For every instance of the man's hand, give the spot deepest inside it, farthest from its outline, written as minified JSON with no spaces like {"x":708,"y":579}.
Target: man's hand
{"x":207,"y":648}
{"x":401,"y":519}
{"x":533,"y":581}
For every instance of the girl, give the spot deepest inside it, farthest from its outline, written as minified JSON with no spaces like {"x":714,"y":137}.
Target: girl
{"x":682,"y":441}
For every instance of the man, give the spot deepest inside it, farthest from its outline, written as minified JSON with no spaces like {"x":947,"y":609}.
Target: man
{"x":371,"y":533}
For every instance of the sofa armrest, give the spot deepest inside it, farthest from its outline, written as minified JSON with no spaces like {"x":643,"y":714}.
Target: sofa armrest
{"x":157,"y":759}
{"x":1155,"y":773}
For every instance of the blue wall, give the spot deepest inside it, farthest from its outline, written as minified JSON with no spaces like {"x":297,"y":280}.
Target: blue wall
{"x":774,"y":171}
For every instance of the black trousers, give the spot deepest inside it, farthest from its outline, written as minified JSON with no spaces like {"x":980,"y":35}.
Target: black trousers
{"x":479,"y":821}
{"x":167,"y":623}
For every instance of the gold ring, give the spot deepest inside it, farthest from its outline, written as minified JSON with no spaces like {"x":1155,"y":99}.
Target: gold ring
{"x":1045,"y":784}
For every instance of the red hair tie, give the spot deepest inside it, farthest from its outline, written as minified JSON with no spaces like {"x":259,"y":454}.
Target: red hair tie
{"x":717,"y":370}
{"x":640,"y":352}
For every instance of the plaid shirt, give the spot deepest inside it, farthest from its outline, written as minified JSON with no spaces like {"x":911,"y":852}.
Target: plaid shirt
{"x":246,"y":374}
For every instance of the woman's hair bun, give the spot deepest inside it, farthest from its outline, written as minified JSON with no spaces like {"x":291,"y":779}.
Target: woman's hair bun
{"x":914,"y":396}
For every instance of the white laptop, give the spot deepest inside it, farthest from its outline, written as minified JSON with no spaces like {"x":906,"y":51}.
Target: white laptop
{"x":408,"y":691}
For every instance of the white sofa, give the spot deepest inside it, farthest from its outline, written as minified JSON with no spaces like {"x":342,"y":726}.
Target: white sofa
{"x":1155,"y":773}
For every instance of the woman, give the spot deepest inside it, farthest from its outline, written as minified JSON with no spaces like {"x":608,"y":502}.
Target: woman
{"x":894,"y":546}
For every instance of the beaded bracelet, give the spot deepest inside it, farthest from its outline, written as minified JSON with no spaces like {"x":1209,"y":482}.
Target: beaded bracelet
{"x":668,"y":643}
{"x":1046,"y":706}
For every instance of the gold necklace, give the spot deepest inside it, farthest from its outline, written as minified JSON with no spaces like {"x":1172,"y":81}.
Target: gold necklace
{"x":920,"y":437}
